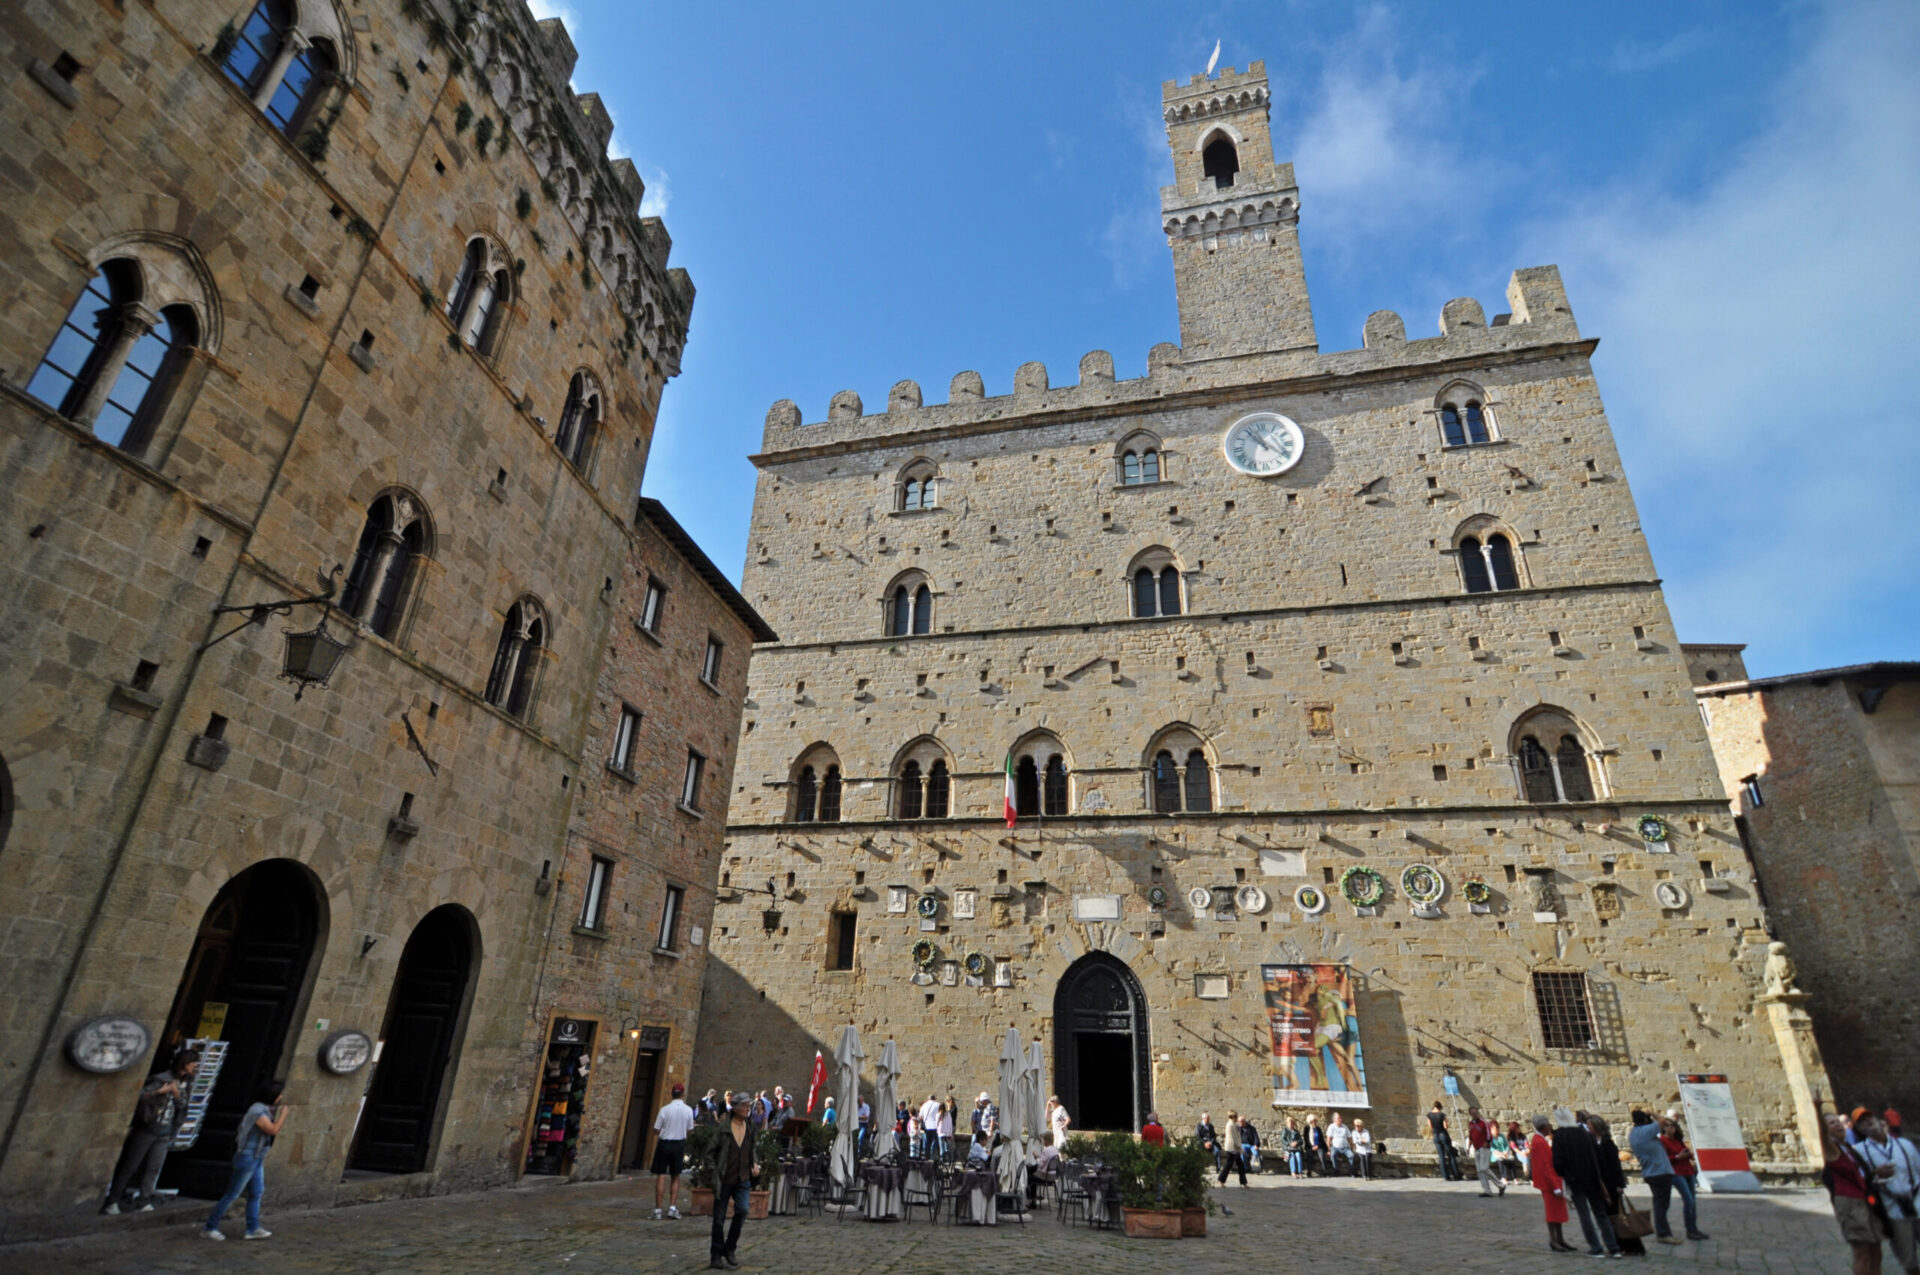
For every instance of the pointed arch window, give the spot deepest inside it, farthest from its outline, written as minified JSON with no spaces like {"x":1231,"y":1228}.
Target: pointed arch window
{"x":1488,"y":563}
{"x":830,"y":795}
{"x":1537,"y":773}
{"x":912,"y":794}
{"x":522,"y":636}
{"x":1138,"y":468}
{"x":1199,"y":782}
{"x":1464,"y":418}
{"x":1576,"y":781}
{"x":1026,"y":788}
{"x":308,"y":73}
{"x":257,"y":46}
{"x":391,"y":544}
{"x":1451,"y":428}
{"x":1166,"y":784}
{"x":579,"y":421}
{"x":806,"y":795}
{"x":916,"y":488}
{"x":1554,"y":761}
{"x":1220,"y":161}
{"x":910,"y":609}
{"x":481,"y":293}
{"x":1156,"y":592}
{"x":1054,"y":799}
{"x":113,"y":361}
{"x":939,"y":790}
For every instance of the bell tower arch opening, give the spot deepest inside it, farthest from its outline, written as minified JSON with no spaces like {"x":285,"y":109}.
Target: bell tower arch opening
{"x":1102,"y":1055}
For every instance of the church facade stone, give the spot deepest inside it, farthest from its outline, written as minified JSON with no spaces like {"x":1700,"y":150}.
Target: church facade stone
{"x":1425,"y":629}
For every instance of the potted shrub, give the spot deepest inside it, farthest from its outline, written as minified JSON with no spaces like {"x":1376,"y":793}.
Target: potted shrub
{"x":1188,"y":1164}
{"x":700,"y":1142}
{"x":1141,"y":1171}
{"x":766,"y":1151}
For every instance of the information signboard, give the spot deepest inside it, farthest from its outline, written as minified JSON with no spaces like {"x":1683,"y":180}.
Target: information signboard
{"x":1713,"y":1127}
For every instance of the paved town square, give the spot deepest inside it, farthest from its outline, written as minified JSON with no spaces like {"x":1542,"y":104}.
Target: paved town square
{"x":1338,"y":1224}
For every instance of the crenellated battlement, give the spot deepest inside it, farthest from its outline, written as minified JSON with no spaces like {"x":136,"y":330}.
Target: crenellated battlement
{"x":1219,"y":94}
{"x":1539,"y":316}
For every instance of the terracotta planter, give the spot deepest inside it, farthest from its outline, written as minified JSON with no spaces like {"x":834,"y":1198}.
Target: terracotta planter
{"x":1193,"y":1223}
{"x":757,"y":1204}
{"x":703,"y":1201}
{"x":1151,"y":1224}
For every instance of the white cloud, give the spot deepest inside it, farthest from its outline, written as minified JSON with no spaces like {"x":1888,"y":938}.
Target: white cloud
{"x":1759,"y":337}
{"x":659,"y":192}
{"x":1132,"y":241}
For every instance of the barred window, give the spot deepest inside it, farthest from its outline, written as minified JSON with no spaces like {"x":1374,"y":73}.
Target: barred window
{"x":1566,"y":1017}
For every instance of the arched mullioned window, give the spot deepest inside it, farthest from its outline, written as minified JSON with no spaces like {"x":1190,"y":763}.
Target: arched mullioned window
{"x":917,"y":487}
{"x":384,"y":564}
{"x":516,"y":661}
{"x":1140,"y":460}
{"x":579,"y":420}
{"x":909,"y":606}
{"x":1464,"y":417}
{"x":1156,"y":584}
{"x":285,"y":68}
{"x":922,"y":781}
{"x":813,"y":786}
{"x":1554,"y":760}
{"x":1488,"y":560}
{"x":114,"y":360}
{"x":1053,"y":787}
{"x":1179,"y":773}
{"x":1042,"y":776}
{"x":1026,"y":788}
{"x":482,"y":292}
{"x":1220,"y":160}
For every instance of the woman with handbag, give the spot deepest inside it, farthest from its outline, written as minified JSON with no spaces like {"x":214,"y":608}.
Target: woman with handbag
{"x":1629,"y":1224}
{"x":1553,"y":1192}
{"x":1577,"y":1163}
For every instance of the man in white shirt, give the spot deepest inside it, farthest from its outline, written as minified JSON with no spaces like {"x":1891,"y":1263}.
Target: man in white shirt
{"x":1340,"y":1144}
{"x":929,"y":1124}
{"x":1895,"y":1166}
{"x":670,"y":1152}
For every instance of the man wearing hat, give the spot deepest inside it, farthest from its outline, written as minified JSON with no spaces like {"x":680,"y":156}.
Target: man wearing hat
{"x":670,"y":1152}
{"x":985,"y":1115}
{"x":733,"y":1173}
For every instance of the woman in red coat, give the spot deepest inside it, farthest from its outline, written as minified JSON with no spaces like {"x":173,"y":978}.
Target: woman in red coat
{"x":1552,"y":1193}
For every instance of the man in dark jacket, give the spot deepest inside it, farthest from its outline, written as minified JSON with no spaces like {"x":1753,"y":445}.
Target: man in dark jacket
{"x":1578,"y":1164}
{"x":163,"y":1102}
{"x":1209,"y":1140}
{"x":733,"y":1173}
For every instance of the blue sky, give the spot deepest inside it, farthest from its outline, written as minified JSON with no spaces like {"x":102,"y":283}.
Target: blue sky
{"x":1732,"y":192}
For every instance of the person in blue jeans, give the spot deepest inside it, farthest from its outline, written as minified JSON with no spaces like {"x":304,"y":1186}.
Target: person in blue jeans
{"x":258,"y":1128}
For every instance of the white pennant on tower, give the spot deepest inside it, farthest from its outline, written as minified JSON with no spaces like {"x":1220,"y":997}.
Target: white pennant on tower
{"x":1215,"y":59}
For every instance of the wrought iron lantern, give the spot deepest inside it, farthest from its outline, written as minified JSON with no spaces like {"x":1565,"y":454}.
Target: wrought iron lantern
{"x":312,"y":656}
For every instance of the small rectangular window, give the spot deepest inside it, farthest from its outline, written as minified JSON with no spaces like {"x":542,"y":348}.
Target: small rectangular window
{"x":653,"y":606}
{"x":1566,"y":1017}
{"x":841,"y":931}
{"x":1750,"y":788}
{"x":593,"y":908}
{"x":670,"y":918}
{"x":710,"y":667}
{"x":690,"y":789}
{"x":621,"y":759}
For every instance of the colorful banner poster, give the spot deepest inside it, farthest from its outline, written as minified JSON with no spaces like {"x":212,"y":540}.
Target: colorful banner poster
{"x":1713,"y":1126}
{"x":1316,"y":1036}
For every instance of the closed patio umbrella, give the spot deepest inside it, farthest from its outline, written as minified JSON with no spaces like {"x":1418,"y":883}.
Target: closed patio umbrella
{"x":886,"y":1085}
{"x":847,"y":1058}
{"x":1012,"y":1063}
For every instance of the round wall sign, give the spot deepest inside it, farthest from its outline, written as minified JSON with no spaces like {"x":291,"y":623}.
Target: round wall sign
{"x":1422,"y":884}
{"x":1251,"y":898}
{"x":1199,"y":898}
{"x":1157,"y":896}
{"x":1653,"y":829}
{"x":1263,"y":444}
{"x":345,"y":1052}
{"x":929,"y":904}
{"x":106,"y":1045}
{"x":1310,"y":899}
{"x":1672,"y":895}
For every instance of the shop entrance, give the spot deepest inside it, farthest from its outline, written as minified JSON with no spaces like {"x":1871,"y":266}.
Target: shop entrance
{"x":245,"y":984}
{"x":423,"y":1025}
{"x":643,"y":1099}
{"x":561,"y":1097}
{"x":1100,"y":1045}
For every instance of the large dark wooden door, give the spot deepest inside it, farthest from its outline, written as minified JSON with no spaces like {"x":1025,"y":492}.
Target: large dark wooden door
{"x":1102,"y":1066}
{"x":251,"y":954}
{"x":396,"y":1129}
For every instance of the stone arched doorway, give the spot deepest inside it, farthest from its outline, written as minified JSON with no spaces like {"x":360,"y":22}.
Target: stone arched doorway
{"x":246,"y":982}
{"x":425,"y":1018}
{"x":1103,"y":1067}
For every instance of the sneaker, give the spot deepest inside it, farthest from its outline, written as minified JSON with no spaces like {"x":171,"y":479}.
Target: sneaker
{"x":1698,"y":1235}
{"x":146,"y":1208}
{"x":657,"y":1215}
{"x":259,"y":1233}
{"x":673,"y":1212}
{"x":112,"y":1210}
{"x":212,"y":1235}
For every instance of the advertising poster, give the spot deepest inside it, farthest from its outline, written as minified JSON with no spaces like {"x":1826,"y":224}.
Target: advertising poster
{"x":1316,"y":1036}
{"x":1713,"y":1126}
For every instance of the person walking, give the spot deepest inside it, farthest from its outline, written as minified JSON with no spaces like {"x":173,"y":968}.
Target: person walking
{"x":1553,"y":1191}
{"x":1230,"y":1159}
{"x":1480,"y":1132}
{"x":156,"y":1118}
{"x":1443,"y":1143}
{"x":1685,"y":1176}
{"x":1614,"y":1178}
{"x":670,"y":1126}
{"x":1577,"y":1163}
{"x":1895,"y":1167}
{"x":734,"y":1170}
{"x":1339,"y":1146}
{"x":1362,"y":1149}
{"x":1209,"y":1140}
{"x":258,"y":1128}
{"x":1655,"y":1168}
{"x":1292,"y":1146}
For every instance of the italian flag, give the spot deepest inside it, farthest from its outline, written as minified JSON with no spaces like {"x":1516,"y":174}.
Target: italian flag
{"x":1013,"y":815}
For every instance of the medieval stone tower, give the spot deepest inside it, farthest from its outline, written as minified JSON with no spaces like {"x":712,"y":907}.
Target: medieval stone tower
{"x":1350,"y":662}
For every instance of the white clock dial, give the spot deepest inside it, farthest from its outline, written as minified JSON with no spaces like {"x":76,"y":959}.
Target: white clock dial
{"x":1263,"y":444}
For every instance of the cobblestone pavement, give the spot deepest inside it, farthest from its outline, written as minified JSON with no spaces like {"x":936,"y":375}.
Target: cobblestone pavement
{"x":1342,"y":1225}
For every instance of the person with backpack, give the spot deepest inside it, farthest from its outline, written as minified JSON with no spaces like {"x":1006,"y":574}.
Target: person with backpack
{"x":1895,"y":1166}
{"x":258,"y":1128}
{"x":156,"y":1118}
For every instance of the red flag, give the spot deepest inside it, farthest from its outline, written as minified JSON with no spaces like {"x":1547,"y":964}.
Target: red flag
{"x":819,"y":1078}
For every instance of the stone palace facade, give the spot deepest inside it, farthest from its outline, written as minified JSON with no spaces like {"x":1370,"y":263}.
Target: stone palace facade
{"x":1234,"y":633}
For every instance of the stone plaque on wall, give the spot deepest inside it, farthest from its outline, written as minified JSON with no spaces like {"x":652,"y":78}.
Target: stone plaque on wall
{"x":963,"y":904}
{"x":1096,"y":907}
{"x":1283,"y":863}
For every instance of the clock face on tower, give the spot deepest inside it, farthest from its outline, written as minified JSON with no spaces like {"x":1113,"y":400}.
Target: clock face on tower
{"x":1263,"y":444}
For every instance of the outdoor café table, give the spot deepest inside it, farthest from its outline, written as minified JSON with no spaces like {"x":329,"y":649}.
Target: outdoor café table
{"x":920,"y":1177}
{"x":980,"y":1188}
{"x":786,"y":1188}
{"x":1099,"y":1187}
{"x":882,"y":1200}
